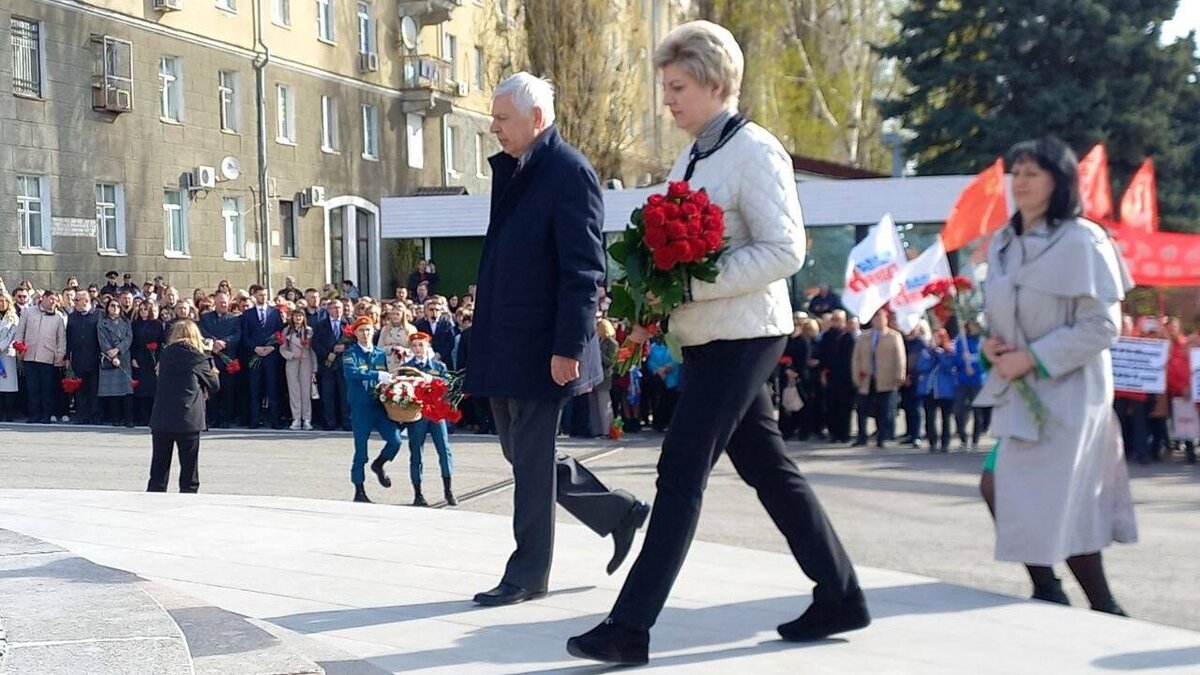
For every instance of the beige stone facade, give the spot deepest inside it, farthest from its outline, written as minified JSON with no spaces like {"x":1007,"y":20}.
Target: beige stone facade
{"x":107,"y":108}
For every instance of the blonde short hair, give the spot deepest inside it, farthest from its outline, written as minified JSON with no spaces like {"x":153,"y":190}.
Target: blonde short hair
{"x":709,"y":53}
{"x":186,"y":331}
{"x":605,"y":330}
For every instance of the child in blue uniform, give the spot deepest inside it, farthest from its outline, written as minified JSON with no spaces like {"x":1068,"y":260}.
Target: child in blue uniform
{"x":425,"y":361}
{"x":365,"y":366}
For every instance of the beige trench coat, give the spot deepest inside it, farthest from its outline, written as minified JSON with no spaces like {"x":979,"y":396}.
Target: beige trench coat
{"x":1061,"y":490}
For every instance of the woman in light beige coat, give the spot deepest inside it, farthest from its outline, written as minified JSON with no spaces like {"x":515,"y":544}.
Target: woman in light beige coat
{"x":1053,"y":291}
{"x":300,"y":366}
{"x":393,"y":337}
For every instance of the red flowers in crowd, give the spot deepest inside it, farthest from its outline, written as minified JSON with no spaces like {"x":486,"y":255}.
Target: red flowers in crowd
{"x":152,"y":346}
{"x":671,"y":240}
{"x":21,"y":347}
{"x":71,"y":382}
{"x":231,"y":365}
{"x":945,"y":290}
{"x":276,"y":340}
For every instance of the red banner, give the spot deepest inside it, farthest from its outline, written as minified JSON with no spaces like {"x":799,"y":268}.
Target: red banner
{"x":1095,"y":189}
{"x":1139,"y":204}
{"x":1161,"y":258}
{"x":981,"y":208}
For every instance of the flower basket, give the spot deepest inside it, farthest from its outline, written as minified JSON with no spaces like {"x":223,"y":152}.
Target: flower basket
{"x":403,"y":413}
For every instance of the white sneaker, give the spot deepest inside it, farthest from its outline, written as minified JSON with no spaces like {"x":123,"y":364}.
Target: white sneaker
{"x":53,"y":419}
{"x":64,"y":419}
{"x":307,"y":425}
{"x":295,"y":425}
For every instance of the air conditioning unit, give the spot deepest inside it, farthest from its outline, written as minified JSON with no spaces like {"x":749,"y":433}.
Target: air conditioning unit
{"x":168,"y":5}
{"x":202,"y":178}
{"x":312,"y":196}
{"x":112,"y":99}
{"x":462,"y":88}
{"x":368,"y":63}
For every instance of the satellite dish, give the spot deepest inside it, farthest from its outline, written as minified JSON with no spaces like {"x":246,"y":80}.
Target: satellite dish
{"x":230,"y":168}
{"x":409,"y":32}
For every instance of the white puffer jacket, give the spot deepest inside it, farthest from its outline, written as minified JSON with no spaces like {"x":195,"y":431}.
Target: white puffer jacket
{"x":751,"y":177}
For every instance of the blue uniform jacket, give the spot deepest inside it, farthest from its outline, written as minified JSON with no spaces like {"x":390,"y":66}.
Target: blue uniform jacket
{"x":430,"y":367}
{"x":939,"y":374}
{"x":362,"y":369}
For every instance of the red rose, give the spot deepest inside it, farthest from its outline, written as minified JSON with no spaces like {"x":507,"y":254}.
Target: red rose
{"x":714,"y":226}
{"x":699,"y":198}
{"x":714,"y":211}
{"x":671,"y":211}
{"x":664,"y":258}
{"x":234,"y":366}
{"x":676,"y":229}
{"x":653,"y":216}
{"x":678,"y":189}
{"x":20,"y":347}
{"x":694,"y":227}
{"x":785,"y":360}
{"x":656,"y":238}
{"x":689,"y":210}
{"x":152,"y":346}
{"x":699,"y":249}
{"x":681,"y":250}
{"x":347,"y":331}
{"x":134,"y":383}
{"x":713,"y":240}
{"x":656,"y":200}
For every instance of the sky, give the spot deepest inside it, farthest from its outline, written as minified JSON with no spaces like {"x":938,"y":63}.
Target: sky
{"x":1187,"y":17}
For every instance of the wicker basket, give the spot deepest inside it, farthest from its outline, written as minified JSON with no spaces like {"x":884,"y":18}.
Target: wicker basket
{"x":400,"y":412}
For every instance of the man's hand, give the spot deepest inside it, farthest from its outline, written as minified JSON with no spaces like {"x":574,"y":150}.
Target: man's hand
{"x":263,"y":351}
{"x":59,"y":362}
{"x":563,"y":370}
{"x":1012,"y":365}
{"x":338,"y":349}
{"x":218,"y":345}
{"x":133,"y":362}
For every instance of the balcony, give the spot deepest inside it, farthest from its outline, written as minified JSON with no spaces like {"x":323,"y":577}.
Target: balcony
{"x":427,"y":87}
{"x":428,"y":12}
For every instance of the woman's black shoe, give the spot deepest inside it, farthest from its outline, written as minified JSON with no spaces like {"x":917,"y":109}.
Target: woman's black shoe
{"x":1051,"y":593}
{"x":1111,"y":608}
{"x":610,"y":642}
{"x":823,"y":619}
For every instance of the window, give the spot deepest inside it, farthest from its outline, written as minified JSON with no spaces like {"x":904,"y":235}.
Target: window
{"x":281,"y":12}
{"x":112,"y":74}
{"x":110,"y":217}
{"x":170,"y":86}
{"x":175,"y":225}
{"x":450,"y":53}
{"x":286,"y":110}
{"x":366,"y":29}
{"x":451,"y":150}
{"x":330,"y":138}
{"x":287,"y":225}
{"x":480,"y":69}
{"x":370,"y":123}
{"x":230,"y":101}
{"x":481,"y":159}
{"x":235,"y":228}
{"x":27,"y":57}
{"x":33,"y":212}
{"x":227,"y":5}
{"x":325,"y":20}
{"x":414,"y":132}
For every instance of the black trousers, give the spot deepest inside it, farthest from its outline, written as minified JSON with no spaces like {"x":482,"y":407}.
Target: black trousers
{"x":910,"y":403}
{"x":40,"y":379}
{"x":264,"y":383}
{"x":160,"y":461}
{"x":724,"y":405}
{"x":541,"y":477}
{"x":882,"y":406}
{"x":841,"y":404}
{"x":1132,"y":414}
{"x":219,"y":407}
{"x":117,"y":409}
{"x":335,"y":406}
{"x":87,"y":401}
{"x":933,"y":407}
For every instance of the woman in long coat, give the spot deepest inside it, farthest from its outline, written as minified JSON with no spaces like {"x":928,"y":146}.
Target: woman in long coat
{"x":116,"y":372}
{"x":8,"y":357}
{"x":187,"y":377}
{"x":148,"y":331}
{"x":1053,"y":290}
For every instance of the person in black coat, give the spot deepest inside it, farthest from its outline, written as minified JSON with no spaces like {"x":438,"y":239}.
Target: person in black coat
{"x":83,"y":358}
{"x":259,"y":325}
{"x":440,"y":327}
{"x":327,"y":332}
{"x":149,"y":338}
{"x":186,"y":376}
{"x":534,"y":342}
{"x":224,"y":328}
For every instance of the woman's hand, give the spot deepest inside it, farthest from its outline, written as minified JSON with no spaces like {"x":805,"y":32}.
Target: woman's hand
{"x":112,"y":353}
{"x":993,"y":347}
{"x":133,"y":362}
{"x":116,"y":362}
{"x":1013,"y":365}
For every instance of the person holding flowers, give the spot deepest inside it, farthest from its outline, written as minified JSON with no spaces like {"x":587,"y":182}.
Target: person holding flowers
{"x":364,"y":365}
{"x":41,"y":343}
{"x":332,"y":335}
{"x":300,"y":366}
{"x":732,"y":329}
{"x":8,"y":357}
{"x":83,"y":358}
{"x":223,"y":329}
{"x":149,"y":336}
{"x":115,"y":335}
{"x":261,"y":325}
{"x":423,"y":359}
{"x":1052,"y":305}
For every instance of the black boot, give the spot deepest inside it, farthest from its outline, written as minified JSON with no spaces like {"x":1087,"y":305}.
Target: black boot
{"x":377,"y":469}
{"x":418,"y":498}
{"x":1189,"y":451}
{"x":1051,"y":592}
{"x":360,"y":494}
{"x":611,"y":642}
{"x":823,"y":619}
{"x":450,"y":500}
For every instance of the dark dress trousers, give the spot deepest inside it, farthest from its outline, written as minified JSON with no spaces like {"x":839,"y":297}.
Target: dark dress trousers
{"x":542,"y":261}
{"x":264,"y":380}
{"x":335,"y":406}
{"x":226,"y":327}
{"x":185,"y":376}
{"x":83,"y":350}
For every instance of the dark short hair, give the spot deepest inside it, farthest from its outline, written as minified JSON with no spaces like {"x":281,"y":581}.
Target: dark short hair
{"x":48,"y":293}
{"x":256,"y":288}
{"x":1054,"y":156}
{"x":310,"y":290}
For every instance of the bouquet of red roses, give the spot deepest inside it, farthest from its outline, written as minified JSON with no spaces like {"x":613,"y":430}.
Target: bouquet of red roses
{"x":276,"y":340}
{"x":347,"y":338}
{"x":670,"y":240}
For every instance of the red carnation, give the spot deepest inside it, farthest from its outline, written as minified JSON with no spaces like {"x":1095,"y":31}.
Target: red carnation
{"x":664,"y":258}
{"x":678,"y":188}
{"x":656,"y":238}
{"x":962,"y":283}
{"x":347,"y":331}
{"x":234,"y":366}
{"x":785,"y":360}
{"x":656,"y":200}
{"x":699,"y":198}
{"x":653,"y":217}
{"x":134,"y":383}
{"x":152,"y":346}
{"x":21,"y":347}
{"x":714,"y":211}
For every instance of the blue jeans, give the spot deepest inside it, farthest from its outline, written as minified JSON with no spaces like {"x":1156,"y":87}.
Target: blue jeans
{"x":416,"y":447}
{"x":364,"y":420}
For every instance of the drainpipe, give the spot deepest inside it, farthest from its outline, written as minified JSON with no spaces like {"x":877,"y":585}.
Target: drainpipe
{"x":262,"y":57}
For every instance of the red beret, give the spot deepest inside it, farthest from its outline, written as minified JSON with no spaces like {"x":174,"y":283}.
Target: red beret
{"x":360,"y":322}
{"x":419,"y":336}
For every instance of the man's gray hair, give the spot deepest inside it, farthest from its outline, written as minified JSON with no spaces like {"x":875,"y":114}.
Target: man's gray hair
{"x":709,"y":53}
{"x":529,"y":92}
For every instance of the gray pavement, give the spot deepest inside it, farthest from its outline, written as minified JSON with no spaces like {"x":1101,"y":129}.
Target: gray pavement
{"x":895,"y":509}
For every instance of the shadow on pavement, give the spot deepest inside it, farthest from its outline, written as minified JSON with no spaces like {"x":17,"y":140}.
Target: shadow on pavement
{"x":1156,"y":658}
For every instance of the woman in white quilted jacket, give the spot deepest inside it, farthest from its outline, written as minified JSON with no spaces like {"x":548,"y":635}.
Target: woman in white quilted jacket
{"x":733,"y":333}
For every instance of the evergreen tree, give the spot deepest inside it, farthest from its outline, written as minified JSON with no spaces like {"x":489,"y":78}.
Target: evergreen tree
{"x":985,"y":74}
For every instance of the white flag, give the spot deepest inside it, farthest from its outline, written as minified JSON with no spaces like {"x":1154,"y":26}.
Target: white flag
{"x":909,"y":305}
{"x":873,"y":270}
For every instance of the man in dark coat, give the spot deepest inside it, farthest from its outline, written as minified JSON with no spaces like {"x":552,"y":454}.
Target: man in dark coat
{"x":335,"y":406}
{"x":534,"y":342}
{"x":259,"y":325}
{"x":424,"y":274}
{"x":834,"y":353}
{"x":440,"y":327}
{"x":224,"y":328}
{"x":83,"y":357}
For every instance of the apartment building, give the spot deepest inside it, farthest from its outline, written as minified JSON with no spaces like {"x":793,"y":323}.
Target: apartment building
{"x":132,"y":136}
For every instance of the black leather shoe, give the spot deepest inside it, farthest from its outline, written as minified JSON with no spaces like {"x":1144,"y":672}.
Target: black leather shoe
{"x":360,"y":495}
{"x":1051,"y":593}
{"x":821,"y":620}
{"x":506,"y":594}
{"x":1111,"y":608}
{"x":377,"y":469}
{"x":623,"y":535}
{"x":610,"y":642}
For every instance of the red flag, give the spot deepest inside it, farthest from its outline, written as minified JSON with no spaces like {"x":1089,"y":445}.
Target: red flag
{"x":1139,"y":204}
{"x":981,"y":208}
{"x":1161,"y":258}
{"x":1094,"y":187}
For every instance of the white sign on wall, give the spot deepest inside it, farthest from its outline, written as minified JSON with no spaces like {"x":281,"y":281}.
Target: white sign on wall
{"x":1140,"y":365}
{"x":72,"y":227}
